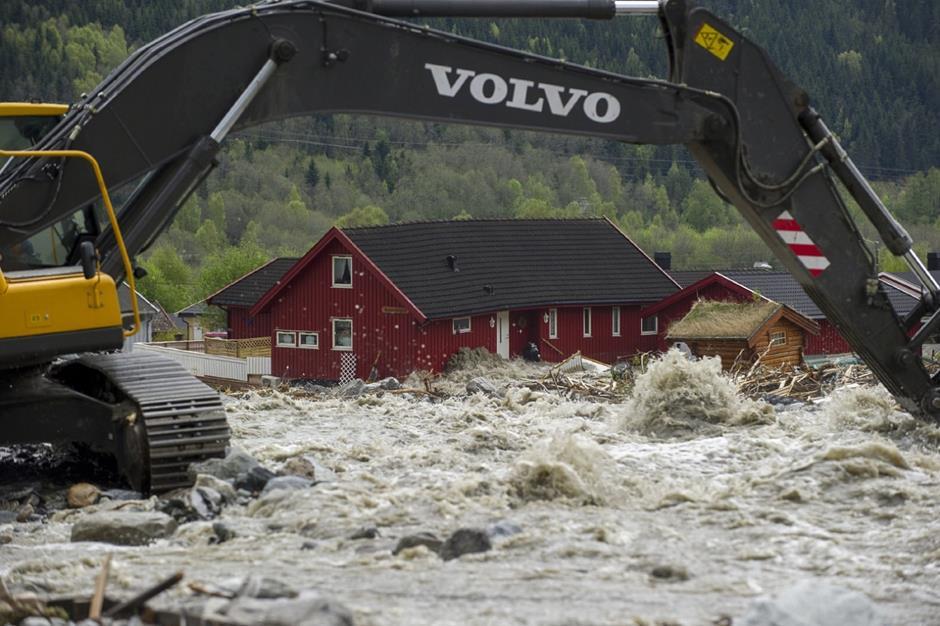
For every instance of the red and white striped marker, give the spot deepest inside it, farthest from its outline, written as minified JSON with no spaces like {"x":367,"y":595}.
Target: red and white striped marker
{"x":803,"y":247}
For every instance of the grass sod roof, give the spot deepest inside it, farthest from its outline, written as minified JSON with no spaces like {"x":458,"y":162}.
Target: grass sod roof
{"x":723,"y":320}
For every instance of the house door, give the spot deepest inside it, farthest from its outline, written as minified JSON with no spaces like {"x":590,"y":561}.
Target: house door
{"x":502,"y":334}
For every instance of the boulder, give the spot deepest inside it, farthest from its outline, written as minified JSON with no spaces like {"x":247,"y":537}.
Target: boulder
{"x":482,"y":385}
{"x":389,"y":384}
{"x":81,"y":495}
{"x":206,"y":502}
{"x":291,"y":483}
{"x":465,"y":541}
{"x":221,"y":533}
{"x":307,"y":467}
{"x":310,"y":609}
{"x":352,"y":389}
{"x":503,"y":529}
{"x":237,"y":462}
{"x":420,"y":539}
{"x":125,"y":528}
{"x":813,"y":603}
{"x":264,"y":588}
{"x":122,"y":494}
{"x":670,"y":572}
{"x":218,"y":485}
{"x":366,"y":532}
{"x":254,"y":479}
{"x":304,"y":466}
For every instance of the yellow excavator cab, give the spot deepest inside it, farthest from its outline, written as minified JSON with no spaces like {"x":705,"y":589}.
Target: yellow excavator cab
{"x":48,"y":311}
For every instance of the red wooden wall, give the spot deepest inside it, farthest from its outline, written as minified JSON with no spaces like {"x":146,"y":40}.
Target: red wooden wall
{"x":243,"y":326}
{"x":382,"y":328}
{"x":435,"y":342}
{"x":602,"y":344}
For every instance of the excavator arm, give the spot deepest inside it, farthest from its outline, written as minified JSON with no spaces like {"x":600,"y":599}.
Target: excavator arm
{"x":158,"y":120}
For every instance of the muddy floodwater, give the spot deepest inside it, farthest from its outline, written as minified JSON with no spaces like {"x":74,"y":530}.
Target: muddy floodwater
{"x":682,"y":503}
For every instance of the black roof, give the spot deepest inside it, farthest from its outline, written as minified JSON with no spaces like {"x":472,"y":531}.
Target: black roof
{"x":144,"y":306}
{"x":911,"y":277}
{"x":512,"y":264}
{"x":782,"y":287}
{"x":248,"y":289}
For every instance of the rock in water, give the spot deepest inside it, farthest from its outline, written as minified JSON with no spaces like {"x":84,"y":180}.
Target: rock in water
{"x":222,"y":533}
{"x":254,"y":479}
{"x":291,"y":483}
{"x":465,"y":541}
{"x":482,"y":385}
{"x":420,"y":539}
{"x":352,"y":389}
{"x":218,"y":485}
{"x":307,"y":467}
{"x":237,"y":462}
{"x":366,"y":532}
{"x":81,"y":495}
{"x":813,"y":603}
{"x":310,"y":609}
{"x":264,"y":588}
{"x":124,"y":528}
{"x":390,"y":383}
{"x":503,"y":529}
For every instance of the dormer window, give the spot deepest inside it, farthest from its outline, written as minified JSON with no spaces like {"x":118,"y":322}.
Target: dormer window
{"x":342,"y":272}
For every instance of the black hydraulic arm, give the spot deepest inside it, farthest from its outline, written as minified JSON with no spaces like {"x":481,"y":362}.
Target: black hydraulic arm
{"x":157,"y":117}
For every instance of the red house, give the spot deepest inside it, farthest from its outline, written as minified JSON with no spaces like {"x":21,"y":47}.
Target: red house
{"x":237,"y":298}
{"x":406,"y":297}
{"x":745,"y":284}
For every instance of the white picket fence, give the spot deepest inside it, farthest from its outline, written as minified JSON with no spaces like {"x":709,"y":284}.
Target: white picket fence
{"x":200,"y":364}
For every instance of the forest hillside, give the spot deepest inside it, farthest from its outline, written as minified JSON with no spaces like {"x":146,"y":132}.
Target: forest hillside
{"x":872,"y":68}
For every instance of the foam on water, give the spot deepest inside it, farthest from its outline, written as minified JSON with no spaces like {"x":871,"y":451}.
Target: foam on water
{"x":566,"y":465}
{"x":677,"y":396}
{"x":685,"y":476}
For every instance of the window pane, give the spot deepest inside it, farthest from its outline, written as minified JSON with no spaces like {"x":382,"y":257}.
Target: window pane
{"x":342,"y":270}
{"x":309,"y":340}
{"x":342,"y":333}
{"x":286,"y":339}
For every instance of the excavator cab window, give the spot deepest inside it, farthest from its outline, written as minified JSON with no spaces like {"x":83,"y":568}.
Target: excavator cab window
{"x":56,"y":245}
{"x":23,"y":124}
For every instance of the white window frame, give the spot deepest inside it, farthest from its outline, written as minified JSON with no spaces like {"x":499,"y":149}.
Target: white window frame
{"x":333,"y":259}
{"x":281,"y":344}
{"x":644,"y":331}
{"x":553,"y":323}
{"x":586,"y":321}
{"x":348,"y":348}
{"x":615,"y":321}
{"x":783,"y":339}
{"x":460,"y":330}
{"x":300,"y":342}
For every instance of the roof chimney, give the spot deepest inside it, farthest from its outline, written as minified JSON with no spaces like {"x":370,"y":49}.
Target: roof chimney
{"x":452,"y":263}
{"x":663,"y":260}
{"x":933,"y":261}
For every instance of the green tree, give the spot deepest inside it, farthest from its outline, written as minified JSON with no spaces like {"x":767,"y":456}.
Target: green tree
{"x":369,"y":215}
{"x":169,"y":279}
{"x":224,"y":267}
{"x":703,"y":209}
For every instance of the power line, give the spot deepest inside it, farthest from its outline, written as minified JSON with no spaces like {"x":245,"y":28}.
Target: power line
{"x":309,"y":139}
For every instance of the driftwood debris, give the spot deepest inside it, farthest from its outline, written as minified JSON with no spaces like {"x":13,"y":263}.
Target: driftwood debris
{"x":799,"y":383}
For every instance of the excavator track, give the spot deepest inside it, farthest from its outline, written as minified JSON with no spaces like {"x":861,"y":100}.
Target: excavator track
{"x":177,"y":419}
